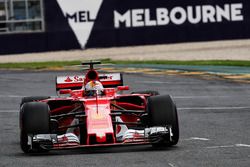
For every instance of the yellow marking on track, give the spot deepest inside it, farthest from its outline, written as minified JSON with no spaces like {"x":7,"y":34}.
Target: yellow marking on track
{"x":244,"y":78}
{"x":237,"y":76}
{"x":196,"y":73}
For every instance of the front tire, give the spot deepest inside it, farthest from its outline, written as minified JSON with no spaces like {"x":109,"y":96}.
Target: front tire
{"x":162,"y":112}
{"x":34,"y":119}
{"x":24,"y":141}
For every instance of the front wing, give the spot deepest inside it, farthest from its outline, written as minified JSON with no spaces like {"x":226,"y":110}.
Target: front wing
{"x":132,"y":137}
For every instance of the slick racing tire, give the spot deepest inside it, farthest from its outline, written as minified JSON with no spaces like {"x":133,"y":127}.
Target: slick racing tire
{"x":32,"y":98}
{"x":34,"y":119}
{"x":150,"y":92}
{"x":24,"y":141}
{"x":162,"y":112}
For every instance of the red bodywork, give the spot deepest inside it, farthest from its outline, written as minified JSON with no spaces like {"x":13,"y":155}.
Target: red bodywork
{"x":97,"y":125}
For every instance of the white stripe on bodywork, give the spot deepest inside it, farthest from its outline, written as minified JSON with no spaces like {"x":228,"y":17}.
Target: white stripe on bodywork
{"x":122,"y":131}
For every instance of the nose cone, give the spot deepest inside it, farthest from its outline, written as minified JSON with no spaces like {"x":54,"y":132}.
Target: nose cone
{"x":99,"y":122}
{"x":101,"y":137}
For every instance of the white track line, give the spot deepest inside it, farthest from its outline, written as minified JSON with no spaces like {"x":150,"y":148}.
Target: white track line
{"x":229,"y":146}
{"x":203,"y":97}
{"x":213,"y":108}
{"x":242,"y":145}
{"x":152,"y":82}
{"x":9,"y":111}
{"x":197,"y":138}
{"x":172,"y":165}
{"x":214,"y":147}
{"x":11,"y":96}
{"x":165,"y":82}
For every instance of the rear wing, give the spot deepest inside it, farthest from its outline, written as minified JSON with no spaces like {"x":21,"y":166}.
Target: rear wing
{"x":76,"y":81}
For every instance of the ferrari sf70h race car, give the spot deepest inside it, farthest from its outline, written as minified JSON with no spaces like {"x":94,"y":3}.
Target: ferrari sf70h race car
{"x":91,"y":110}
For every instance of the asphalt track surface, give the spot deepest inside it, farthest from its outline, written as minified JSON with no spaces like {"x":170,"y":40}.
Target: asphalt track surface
{"x":213,"y":116}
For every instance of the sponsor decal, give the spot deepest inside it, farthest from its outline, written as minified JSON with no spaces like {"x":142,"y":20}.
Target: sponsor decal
{"x":178,"y":15}
{"x":81,"y":15}
{"x":72,"y":79}
{"x":80,"y":78}
{"x":68,"y":80}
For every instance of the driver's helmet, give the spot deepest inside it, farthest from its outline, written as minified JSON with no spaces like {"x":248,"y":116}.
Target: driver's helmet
{"x":93,"y":87}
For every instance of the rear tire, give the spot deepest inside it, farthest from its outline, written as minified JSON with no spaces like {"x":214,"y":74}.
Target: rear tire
{"x":162,"y":112}
{"x":32,"y":98}
{"x":34,"y":119}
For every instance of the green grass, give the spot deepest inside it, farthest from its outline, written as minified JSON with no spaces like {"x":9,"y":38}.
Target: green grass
{"x":39,"y":65}
{"x":61,"y":64}
{"x":193,"y":62}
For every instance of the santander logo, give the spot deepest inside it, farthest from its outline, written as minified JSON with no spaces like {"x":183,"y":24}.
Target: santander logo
{"x":74,"y":79}
{"x":81,"y":15}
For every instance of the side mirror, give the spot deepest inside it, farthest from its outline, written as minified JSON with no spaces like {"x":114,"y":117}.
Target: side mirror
{"x":121,"y":88}
{"x":65,"y":91}
{"x":109,"y":91}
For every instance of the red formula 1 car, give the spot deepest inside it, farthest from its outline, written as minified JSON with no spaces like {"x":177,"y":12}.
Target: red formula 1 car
{"x":96,"y":113}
